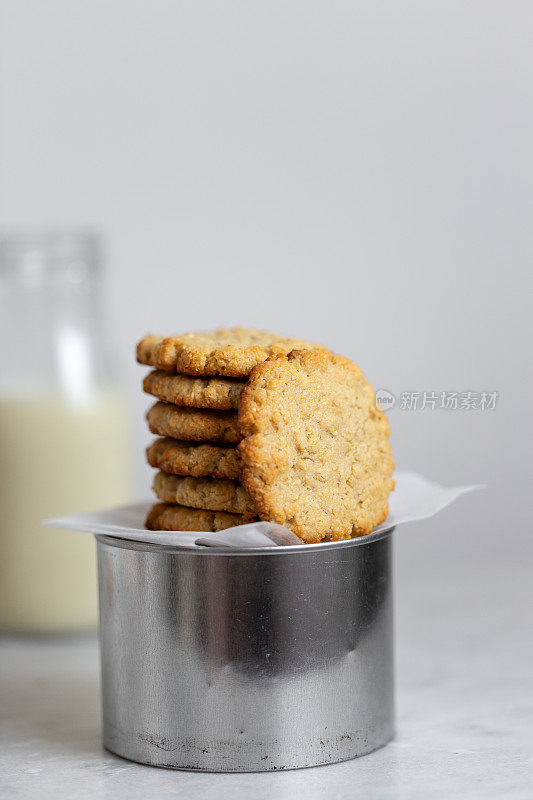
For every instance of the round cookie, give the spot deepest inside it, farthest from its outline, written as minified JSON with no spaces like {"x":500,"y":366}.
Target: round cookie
{"x":172,"y":517}
{"x":229,"y":352}
{"x":315,"y":455}
{"x":209,"y":494}
{"x":183,"y":390}
{"x":191,"y":424}
{"x":196,"y":460}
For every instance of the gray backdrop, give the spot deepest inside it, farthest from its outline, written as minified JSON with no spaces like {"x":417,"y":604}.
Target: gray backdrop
{"x":357,"y":173}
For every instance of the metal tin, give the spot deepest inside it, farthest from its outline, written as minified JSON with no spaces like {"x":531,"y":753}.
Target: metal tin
{"x":246,"y":660}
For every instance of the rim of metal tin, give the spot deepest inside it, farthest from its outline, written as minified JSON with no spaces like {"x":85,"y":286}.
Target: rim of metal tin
{"x":213,"y":550}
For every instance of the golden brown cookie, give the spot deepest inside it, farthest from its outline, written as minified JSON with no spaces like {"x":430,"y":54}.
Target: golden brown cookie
{"x":193,"y":424}
{"x":183,"y":390}
{"x":196,"y":460}
{"x":172,"y":517}
{"x":209,"y":494}
{"x":315,"y":453}
{"x":228,"y":352}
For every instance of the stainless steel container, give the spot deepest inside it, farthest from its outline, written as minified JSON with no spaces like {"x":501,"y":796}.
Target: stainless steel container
{"x":246,"y":660}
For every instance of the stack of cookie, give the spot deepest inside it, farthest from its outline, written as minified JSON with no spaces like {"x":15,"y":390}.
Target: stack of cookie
{"x":257,"y":426}
{"x":198,"y":380}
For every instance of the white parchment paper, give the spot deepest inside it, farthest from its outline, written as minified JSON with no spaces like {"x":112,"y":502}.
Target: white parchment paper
{"x":414,"y":498}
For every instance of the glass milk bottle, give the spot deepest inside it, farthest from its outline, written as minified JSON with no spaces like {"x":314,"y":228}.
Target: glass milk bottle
{"x":63,"y":430}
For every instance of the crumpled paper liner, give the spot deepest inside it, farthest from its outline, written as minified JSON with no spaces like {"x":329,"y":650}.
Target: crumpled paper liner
{"x":414,"y":498}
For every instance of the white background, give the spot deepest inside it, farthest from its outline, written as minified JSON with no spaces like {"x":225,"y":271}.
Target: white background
{"x":358,"y":173}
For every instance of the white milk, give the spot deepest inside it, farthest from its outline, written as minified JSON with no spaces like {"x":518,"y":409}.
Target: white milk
{"x":55,"y":458}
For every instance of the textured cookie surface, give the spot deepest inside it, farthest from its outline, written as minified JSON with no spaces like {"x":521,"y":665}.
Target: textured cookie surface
{"x":172,"y":517}
{"x":212,"y":495}
{"x":315,"y":454}
{"x":196,"y":460}
{"x":183,"y":390}
{"x":230,"y":352}
{"x":191,"y":424}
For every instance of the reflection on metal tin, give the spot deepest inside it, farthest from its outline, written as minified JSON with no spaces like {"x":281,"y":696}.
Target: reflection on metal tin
{"x":238,"y":661}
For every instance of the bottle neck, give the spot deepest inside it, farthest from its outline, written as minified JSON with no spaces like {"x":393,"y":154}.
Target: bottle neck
{"x":53,"y":320}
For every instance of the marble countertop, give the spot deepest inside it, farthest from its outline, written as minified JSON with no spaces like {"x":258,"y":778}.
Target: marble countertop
{"x":464,"y":701}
